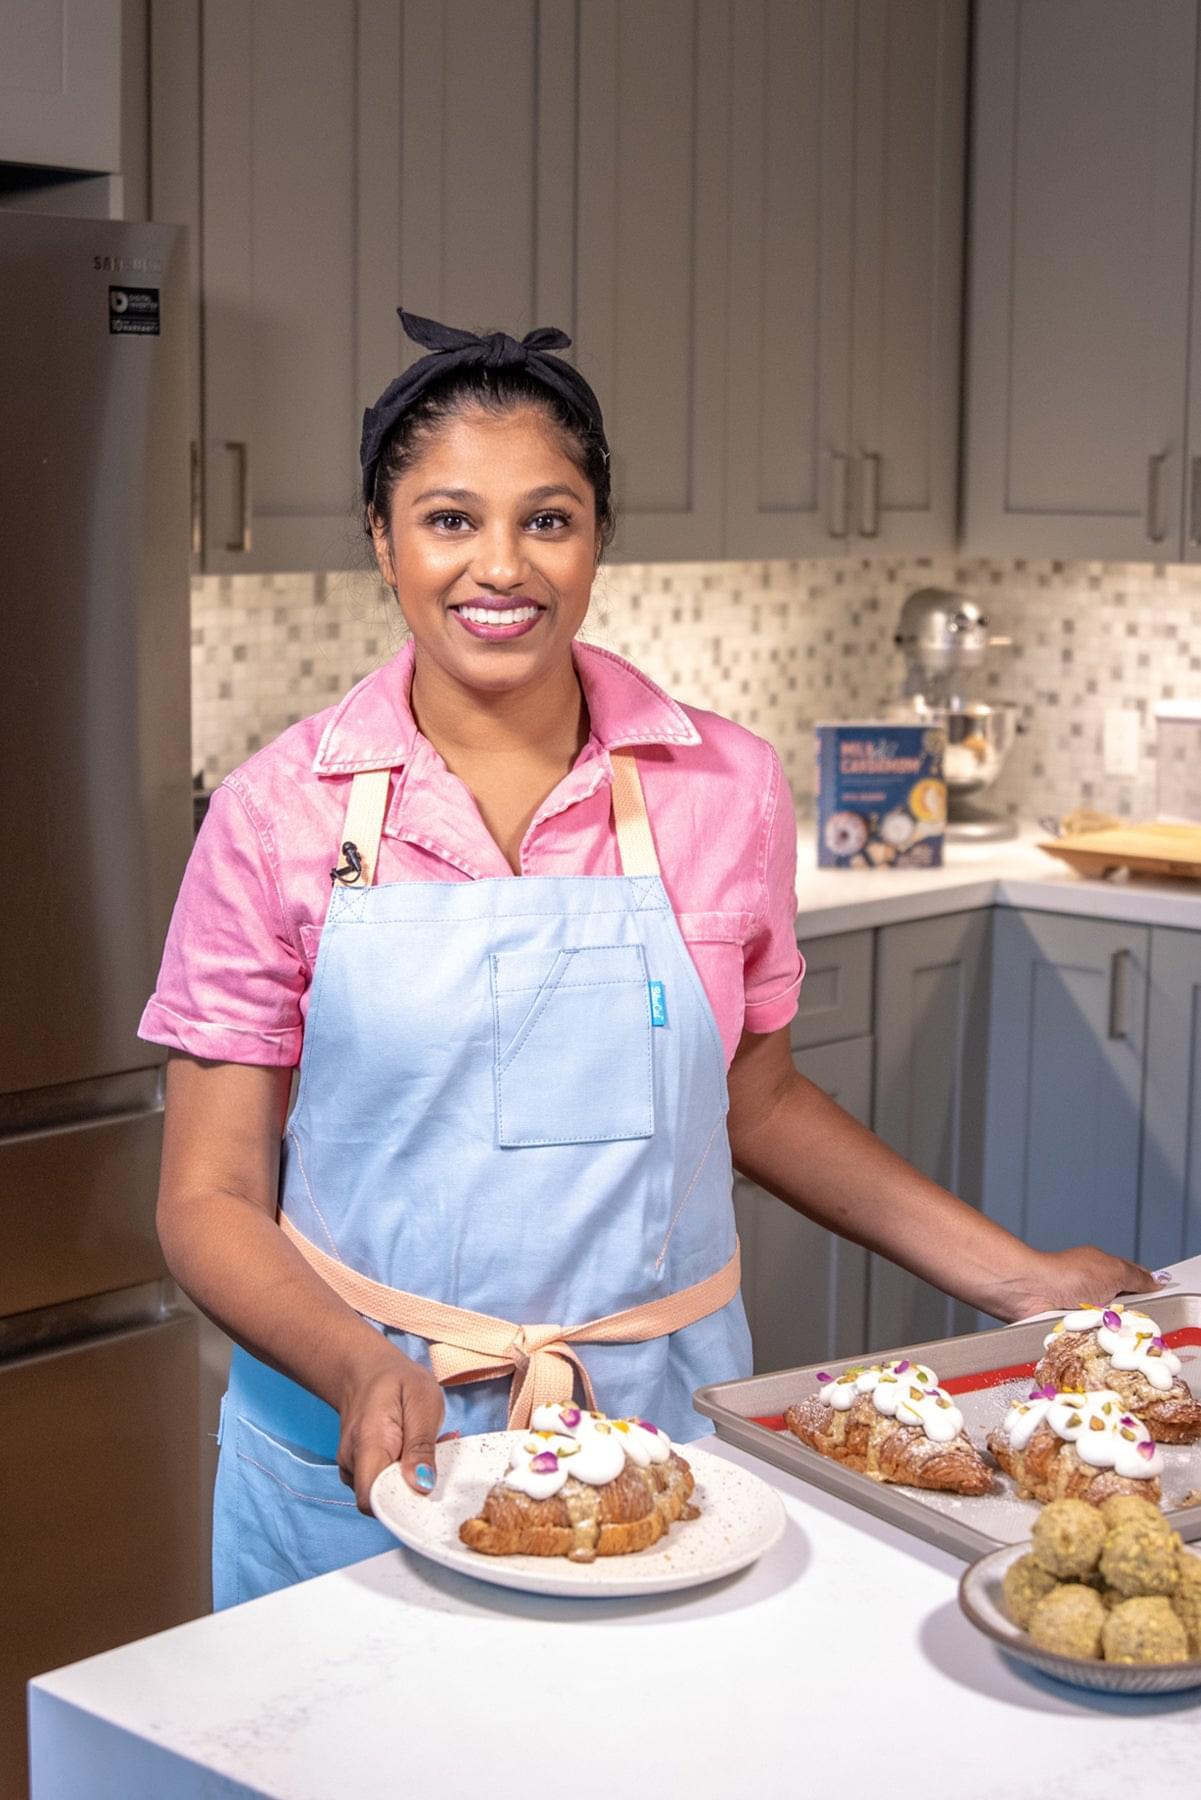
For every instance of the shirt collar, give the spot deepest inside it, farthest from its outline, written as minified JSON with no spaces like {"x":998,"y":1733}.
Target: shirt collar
{"x":374,"y":728}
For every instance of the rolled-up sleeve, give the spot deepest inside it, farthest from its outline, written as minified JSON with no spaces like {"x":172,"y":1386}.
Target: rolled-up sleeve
{"x":232,"y":975}
{"x":773,"y":967}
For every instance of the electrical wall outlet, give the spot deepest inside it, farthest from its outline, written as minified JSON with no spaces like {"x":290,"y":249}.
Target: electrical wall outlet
{"x":1120,"y":741}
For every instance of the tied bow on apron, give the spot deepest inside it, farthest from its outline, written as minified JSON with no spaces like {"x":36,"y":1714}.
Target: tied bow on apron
{"x":470,"y":1346}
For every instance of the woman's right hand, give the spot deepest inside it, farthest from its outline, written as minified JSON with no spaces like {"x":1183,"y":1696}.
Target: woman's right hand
{"x":392,"y":1412}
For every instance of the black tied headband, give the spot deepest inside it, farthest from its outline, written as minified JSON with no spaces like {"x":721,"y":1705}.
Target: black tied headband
{"x":450,"y":349}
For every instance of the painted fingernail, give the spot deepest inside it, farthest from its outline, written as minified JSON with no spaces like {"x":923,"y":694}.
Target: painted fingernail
{"x":424,"y":1476}
{"x":1163,"y":1276}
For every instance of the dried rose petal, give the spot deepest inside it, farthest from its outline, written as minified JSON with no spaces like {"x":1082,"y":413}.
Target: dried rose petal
{"x":1146,"y":1449}
{"x":1158,"y":1343}
{"x":822,"y":1376}
{"x":571,"y":1417}
{"x":1048,"y":1391}
{"x":1110,"y":1318}
{"x":647,"y":1426}
{"x":1126,"y":1419}
{"x":545,"y":1463}
{"x":900,"y":1368}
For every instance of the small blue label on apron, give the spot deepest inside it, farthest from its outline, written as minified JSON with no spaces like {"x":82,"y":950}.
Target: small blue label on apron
{"x":658,"y":1002}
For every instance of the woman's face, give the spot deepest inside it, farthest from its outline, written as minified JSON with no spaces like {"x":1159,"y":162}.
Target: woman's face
{"x":492,"y":548}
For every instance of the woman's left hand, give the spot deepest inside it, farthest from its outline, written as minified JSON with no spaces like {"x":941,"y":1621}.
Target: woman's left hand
{"x":1064,"y":1279}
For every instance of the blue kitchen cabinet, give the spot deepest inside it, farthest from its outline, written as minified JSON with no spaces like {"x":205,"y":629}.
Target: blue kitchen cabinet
{"x":1169,"y":1225}
{"x":931,"y":1033}
{"x":805,"y":1289}
{"x":1066,"y":1051}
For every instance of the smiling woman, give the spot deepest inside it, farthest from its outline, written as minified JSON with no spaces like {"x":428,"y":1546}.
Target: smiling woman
{"x":515,"y":913}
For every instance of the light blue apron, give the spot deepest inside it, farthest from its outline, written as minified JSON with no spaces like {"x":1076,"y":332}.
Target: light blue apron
{"x":512,"y":1099}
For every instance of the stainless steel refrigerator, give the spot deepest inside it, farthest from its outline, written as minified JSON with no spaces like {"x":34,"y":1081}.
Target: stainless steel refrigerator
{"x":100,"y":1537}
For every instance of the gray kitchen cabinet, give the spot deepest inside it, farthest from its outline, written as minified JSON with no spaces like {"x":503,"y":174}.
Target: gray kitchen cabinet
{"x":792,"y":78}
{"x":60,"y":84}
{"x":847,"y":163}
{"x":805,"y":1289}
{"x":1169,"y":1225}
{"x":910,"y":160}
{"x":836,"y":994}
{"x":281,"y":110}
{"x":465,"y":208}
{"x":931,"y":1024}
{"x":651,"y":260}
{"x":1067,"y":1037}
{"x":1078,"y":318}
{"x":335,"y":161}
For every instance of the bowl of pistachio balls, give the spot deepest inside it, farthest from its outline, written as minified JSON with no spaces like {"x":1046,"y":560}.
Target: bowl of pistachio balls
{"x":1104,"y":1597}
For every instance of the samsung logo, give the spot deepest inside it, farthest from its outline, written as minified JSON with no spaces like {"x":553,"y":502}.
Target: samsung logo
{"x":128,"y":265}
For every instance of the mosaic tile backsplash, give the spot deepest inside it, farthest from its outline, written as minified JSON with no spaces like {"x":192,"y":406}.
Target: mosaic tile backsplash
{"x":776,"y":645}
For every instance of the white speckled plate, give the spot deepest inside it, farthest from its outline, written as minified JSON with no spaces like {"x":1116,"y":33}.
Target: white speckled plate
{"x":980,"y":1599}
{"x":741,"y":1517}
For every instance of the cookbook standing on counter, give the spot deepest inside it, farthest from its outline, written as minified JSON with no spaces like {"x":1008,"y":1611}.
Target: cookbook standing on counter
{"x":526,"y":925}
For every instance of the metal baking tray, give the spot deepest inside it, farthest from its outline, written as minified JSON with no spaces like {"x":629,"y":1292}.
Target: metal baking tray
{"x":985,"y":1371}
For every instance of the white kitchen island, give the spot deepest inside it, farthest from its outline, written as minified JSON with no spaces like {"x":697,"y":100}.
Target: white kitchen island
{"x":839,"y":1665}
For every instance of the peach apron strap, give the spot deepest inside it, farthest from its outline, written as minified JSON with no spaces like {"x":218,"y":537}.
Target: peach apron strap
{"x":635,"y":845}
{"x":471,"y":1346}
{"x":364,"y":823}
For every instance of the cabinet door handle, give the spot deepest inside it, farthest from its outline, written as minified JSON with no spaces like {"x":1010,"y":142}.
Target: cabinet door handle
{"x":241,"y":544}
{"x":1155,"y":463}
{"x":837,"y":496}
{"x":197,"y":528}
{"x":1194,"y":501}
{"x":872,"y":468}
{"x":1119,"y":982}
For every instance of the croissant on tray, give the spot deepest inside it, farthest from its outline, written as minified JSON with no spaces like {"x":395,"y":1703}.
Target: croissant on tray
{"x":892,"y":1422}
{"x":1122,"y":1351}
{"x":1077,"y":1446}
{"x":581,"y":1485}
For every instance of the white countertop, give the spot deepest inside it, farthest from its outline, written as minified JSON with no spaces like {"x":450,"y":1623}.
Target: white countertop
{"x":1016,"y":873}
{"x":840,"y":1663}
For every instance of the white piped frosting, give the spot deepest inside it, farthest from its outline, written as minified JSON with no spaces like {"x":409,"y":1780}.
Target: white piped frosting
{"x":905,"y":1391}
{"x":1105,"y":1435}
{"x":566,"y":1440}
{"x":1131,"y":1340}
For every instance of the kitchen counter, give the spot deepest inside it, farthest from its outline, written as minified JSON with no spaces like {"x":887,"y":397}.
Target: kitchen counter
{"x":839,"y":1663}
{"x":1016,"y":873}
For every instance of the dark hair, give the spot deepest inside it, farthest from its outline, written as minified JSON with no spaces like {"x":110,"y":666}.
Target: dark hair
{"x":497,"y":391}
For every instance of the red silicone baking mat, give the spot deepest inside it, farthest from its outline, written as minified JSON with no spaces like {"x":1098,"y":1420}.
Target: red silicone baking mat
{"x":985,"y":1371}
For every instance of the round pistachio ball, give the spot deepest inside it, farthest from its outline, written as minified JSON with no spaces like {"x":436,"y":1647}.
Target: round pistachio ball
{"x":1142,"y":1630}
{"x":1139,"y":1558}
{"x":1131,"y":1509}
{"x":1025,"y":1583}
{"x":1069,"y":1621}
{"x":1186,"y":1599}
{"x":1067,"y":1538}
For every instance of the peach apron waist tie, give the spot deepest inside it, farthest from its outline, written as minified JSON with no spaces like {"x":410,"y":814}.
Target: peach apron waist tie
{"x":470,"y":1346}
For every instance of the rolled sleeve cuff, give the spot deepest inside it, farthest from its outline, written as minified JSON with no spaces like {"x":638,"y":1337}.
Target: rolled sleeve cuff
{"x":773,"y":1010}
{"x":220,"y":1042}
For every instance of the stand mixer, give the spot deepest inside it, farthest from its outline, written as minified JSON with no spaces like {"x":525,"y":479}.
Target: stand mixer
{"x":945,"y":640}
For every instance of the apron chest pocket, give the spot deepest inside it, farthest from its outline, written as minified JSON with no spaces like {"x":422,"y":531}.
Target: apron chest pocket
{"x":572,"y":1036}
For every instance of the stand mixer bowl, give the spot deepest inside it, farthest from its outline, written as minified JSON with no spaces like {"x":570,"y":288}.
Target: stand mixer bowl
{"x":979,"y":737}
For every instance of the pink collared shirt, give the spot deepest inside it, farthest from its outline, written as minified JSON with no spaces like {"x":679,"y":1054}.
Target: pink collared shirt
{"x":234,"y":981}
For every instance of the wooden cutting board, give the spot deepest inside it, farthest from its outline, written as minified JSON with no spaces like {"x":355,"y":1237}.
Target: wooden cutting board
{"x":1151,"y":849}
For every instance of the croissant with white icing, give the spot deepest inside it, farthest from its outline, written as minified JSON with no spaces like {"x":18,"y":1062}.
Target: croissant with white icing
{"x":582,"y":1485}
{"x":1121,"y":1350}
{"x":1077,"y":1446}
{"x":892,"y":1422}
